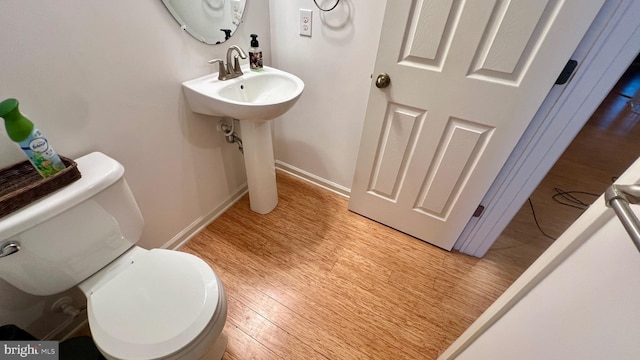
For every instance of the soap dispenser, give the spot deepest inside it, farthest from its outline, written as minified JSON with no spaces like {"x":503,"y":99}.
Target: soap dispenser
{"x":255,"y":54}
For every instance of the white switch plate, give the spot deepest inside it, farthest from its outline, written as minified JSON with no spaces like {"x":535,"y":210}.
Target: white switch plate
{"x":305,"y":22}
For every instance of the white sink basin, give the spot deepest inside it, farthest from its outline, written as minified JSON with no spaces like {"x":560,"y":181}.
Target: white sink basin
{"x":263,"y":95}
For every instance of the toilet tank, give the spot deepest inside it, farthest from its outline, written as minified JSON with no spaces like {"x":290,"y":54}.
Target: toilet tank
{"x":69,"y":235}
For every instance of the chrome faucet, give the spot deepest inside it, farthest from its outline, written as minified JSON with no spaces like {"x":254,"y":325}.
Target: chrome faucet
{"x":230,"y":71}
{"x":236,"y":62}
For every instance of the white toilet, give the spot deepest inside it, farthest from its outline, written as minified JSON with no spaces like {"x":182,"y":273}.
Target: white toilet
{"x":141,"y":304}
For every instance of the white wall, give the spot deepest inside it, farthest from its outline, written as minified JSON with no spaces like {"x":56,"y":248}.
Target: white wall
{"x":105,"y":76}
{"x":321,"y":133}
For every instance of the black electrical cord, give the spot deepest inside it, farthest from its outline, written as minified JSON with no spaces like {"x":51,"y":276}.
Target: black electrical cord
{"x":333,"y":7}
{"x":535,"y":218}
{"x":565,"y":198}
{"x":568,"y":199}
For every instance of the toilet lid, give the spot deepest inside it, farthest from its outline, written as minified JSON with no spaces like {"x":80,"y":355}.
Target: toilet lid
{"x":157,"y":306}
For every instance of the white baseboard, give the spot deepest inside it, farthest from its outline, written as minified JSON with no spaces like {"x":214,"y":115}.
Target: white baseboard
{"x":195,"y":227}
{"x":313,"y":179}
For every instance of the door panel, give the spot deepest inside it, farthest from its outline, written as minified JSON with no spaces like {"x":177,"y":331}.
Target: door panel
{"x":397,"y":143}
{"x":511,"y":38}
{"x":467,"y":77}
{"x":457,"y":154}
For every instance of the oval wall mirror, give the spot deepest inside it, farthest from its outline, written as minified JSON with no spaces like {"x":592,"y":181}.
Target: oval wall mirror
{"x":209,"y":21}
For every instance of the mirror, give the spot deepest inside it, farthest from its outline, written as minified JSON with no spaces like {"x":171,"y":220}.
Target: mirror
{"x":209,"y":21}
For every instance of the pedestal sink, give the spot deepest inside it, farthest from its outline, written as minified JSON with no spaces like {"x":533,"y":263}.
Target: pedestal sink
{"x":254,"y":98}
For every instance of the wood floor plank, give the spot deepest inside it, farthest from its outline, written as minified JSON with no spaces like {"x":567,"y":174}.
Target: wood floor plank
{"x":401,"y":319}
{"x":282,"y":343}
{"x":360,"y":271}
{"x":323,"y":341}
{"x":241,"y":346}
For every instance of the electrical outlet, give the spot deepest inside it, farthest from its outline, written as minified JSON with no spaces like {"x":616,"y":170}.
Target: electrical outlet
{"x":305,"y":22}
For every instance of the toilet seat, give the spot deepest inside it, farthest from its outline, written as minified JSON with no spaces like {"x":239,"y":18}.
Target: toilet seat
{"x":154,"y":306}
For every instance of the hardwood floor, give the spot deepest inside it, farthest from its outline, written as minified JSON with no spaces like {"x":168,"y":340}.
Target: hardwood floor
{"x":312,"y":280}
{"x":605,"y":147}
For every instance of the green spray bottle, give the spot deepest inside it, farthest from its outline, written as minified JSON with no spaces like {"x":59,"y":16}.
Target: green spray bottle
{"x":22,"y":131}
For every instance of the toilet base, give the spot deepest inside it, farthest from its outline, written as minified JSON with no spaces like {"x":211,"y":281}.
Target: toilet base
{"x":216,"y":350}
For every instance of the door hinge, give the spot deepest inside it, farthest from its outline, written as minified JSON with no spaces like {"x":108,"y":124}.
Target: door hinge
{"x":566,"y":73}
{"x":479,"y":211}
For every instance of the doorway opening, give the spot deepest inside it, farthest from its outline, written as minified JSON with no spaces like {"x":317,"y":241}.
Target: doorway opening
{"x":605,"y":147}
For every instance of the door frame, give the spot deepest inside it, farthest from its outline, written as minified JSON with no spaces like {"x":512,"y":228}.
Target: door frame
{"x":608,"y":48}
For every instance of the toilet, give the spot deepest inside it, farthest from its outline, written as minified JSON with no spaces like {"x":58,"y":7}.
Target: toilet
{"x":141,"y":304}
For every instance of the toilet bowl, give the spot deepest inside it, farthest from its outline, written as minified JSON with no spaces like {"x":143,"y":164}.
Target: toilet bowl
{"x":141,"y":304}
{"x":174,"y":306}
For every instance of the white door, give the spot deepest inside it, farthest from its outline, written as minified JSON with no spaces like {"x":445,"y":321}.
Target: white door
{"x":579,"y":300}
{"x":466,"y":79}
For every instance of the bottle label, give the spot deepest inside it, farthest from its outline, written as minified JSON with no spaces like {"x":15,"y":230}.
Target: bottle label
{"x":255,"y":60}
{"x":41,"y":155}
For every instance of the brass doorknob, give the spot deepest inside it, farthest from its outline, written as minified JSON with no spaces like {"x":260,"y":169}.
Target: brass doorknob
{"x":383,"y":80}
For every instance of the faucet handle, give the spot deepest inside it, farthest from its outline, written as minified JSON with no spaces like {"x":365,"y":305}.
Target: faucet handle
{"x":222,"y":71}
{"x":236,"y":65}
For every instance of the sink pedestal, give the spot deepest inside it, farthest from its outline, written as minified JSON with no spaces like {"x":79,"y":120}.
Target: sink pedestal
{"x":259,"y":164}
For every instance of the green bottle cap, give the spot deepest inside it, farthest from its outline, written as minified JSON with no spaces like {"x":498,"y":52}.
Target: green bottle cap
{"x":18,"y":127}
{"x":8,"y":106}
